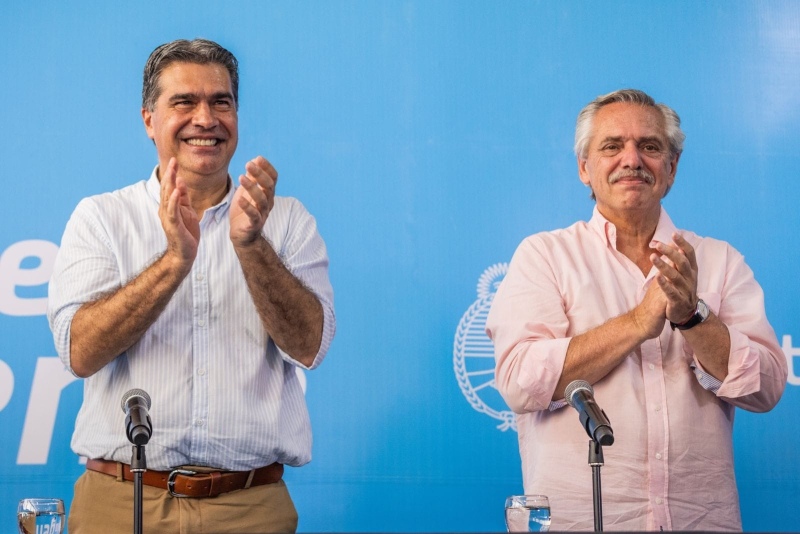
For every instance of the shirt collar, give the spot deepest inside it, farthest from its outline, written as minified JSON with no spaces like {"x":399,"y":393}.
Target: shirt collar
{"x":606,"y":229}
{"x":154,"y":191}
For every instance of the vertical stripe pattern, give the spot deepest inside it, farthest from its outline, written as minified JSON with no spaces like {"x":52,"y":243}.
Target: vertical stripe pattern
{"x":223,"y":394}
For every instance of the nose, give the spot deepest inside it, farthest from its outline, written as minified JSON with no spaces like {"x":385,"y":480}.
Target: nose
{"x":204,"y":116}
{"x":630,"y":156}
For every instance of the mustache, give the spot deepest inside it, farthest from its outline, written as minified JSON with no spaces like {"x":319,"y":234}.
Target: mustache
{"x":632,"y":173}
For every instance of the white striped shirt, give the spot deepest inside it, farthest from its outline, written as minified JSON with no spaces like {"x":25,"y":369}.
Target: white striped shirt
{"x":223,"y":395}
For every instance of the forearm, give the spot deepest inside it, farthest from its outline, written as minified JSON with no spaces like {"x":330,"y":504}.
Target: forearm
{"x":103,"y":329}
{"x":711,"y":343}
{"x":757,"y":373}
{"x":291,"y":314}
{"x":752,"y":368}
{"x":595,"y":353}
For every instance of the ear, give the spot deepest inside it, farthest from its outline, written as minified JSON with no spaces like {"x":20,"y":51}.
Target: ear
{"x":147,"y":117}
{"x":583,"y":172}
{"x":673,"y":168}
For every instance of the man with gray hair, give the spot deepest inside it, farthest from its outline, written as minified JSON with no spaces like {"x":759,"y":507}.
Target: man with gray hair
{"x":207,"y":294}
{"x":667,"y":327}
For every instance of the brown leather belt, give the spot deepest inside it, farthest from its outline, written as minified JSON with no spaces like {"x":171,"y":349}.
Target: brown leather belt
{"x":188,"y":483}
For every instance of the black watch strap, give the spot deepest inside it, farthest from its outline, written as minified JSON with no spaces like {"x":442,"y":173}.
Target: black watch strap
{"x":700,"y":315}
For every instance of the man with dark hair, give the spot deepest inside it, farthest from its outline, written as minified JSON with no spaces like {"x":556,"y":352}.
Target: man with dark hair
{"x":207,"y":295}
{"x":668,"y":327}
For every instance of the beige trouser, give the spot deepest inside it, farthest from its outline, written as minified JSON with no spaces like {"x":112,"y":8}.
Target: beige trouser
{"x":103,"y":504}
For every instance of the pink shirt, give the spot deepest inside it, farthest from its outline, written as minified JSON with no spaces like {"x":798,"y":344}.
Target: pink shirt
{"x":671,"y":465}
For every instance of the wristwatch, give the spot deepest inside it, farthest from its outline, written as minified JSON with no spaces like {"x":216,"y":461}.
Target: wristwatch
{"x":700,"y":315}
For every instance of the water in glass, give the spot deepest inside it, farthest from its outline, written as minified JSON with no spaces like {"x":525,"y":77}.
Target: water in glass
{"x":41,"y":516}
{"x":527,"y":513}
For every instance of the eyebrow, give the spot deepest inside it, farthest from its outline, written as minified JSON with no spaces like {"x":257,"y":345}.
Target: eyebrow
{"x":193,"y":96}
{"x":645,"y":139}
{"x":652,"y":139}
{"x":183,"y":96}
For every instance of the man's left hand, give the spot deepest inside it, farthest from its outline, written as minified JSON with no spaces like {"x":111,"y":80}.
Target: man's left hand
{"x":677,"y":277}
{"x":252,"y":201}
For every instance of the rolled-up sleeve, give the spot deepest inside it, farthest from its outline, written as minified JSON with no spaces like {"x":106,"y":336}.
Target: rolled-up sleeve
{"x":528,"y":327}
{"x":84,"y":270}
{"x":305,"y":255}
{"x":757,"y":369}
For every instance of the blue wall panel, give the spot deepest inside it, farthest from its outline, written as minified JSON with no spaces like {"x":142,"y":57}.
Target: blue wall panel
{"x":428,"y":138}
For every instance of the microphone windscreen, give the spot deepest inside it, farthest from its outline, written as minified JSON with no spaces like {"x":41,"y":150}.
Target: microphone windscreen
{"x":574,"y":386}
{"x":135,"y":393}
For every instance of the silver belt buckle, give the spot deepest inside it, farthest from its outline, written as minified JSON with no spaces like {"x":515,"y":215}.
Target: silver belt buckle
{"x":171,"y":481}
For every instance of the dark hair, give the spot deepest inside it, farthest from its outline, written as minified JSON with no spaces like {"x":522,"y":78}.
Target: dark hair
{"x":200,"y":51}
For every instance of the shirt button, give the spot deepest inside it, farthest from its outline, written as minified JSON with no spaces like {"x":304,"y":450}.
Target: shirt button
{"x":658,"y":408}
{"x":658,"y":456}
{"x":659,"y":500}
{"x":198,"y":422}
{"x":200,"y":276}
{"x":699,"y":376}
{"x":201,"y":372}
{"x":201,"y":322}
{"x":651,"y":366}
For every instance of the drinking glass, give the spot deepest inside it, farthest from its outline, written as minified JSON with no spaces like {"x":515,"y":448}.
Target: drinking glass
{"x":527,"y":513}
{"x":41,"y":516}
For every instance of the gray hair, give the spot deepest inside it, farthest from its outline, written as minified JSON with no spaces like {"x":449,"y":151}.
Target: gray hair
{"x":199,"y":51}
{"x":584,"y":125}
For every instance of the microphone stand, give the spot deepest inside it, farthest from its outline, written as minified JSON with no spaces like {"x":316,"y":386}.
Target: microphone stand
{"x":596,"y":462}
{"x":138,"y":466}
{"x":138,"y":428}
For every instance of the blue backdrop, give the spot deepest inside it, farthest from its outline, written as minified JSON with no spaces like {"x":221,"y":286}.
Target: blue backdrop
{"x":428,"y":138}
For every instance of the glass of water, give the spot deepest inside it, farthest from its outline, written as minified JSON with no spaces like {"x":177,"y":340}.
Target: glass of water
{"x":41,"y":516}
{"x":527,"y":513}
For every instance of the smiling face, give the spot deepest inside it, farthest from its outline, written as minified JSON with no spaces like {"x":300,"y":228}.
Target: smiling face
{"x":628,"y":163}
{"x":194,"y":120}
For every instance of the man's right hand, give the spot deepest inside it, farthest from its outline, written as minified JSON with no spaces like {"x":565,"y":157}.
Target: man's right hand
{"x":651,"y":314}
{"x":595,"y":353}
{"x":178,"y":218}
{"x":103,"y":329}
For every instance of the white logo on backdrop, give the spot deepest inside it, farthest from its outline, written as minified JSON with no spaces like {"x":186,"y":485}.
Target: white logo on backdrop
{"x":473,"y":353}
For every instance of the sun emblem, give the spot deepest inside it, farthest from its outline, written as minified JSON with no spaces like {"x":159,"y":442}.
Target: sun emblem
{"x":473,"y":353}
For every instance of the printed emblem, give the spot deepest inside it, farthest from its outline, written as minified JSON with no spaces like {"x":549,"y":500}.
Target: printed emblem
{"x":473,"y":353}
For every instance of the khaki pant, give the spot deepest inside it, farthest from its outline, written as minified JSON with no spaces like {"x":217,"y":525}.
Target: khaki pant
{"x":103,"y":504}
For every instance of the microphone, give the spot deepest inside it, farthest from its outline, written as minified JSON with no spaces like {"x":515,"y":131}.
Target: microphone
{"x":580,"y":395}
{"x":135,"y":404}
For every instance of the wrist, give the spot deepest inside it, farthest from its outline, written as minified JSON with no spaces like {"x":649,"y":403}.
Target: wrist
{"x":250,"y":244}
{"x":700,"y":315}
{"x":175,"y":263}
{"x":688,"y":317}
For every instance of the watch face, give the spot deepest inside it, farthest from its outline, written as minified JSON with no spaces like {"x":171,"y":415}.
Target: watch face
{"x":700,"y":315}
{"x":702,"y":310}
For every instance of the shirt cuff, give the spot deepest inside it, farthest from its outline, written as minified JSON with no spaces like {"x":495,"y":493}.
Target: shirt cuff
{"x":706,"y":380}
